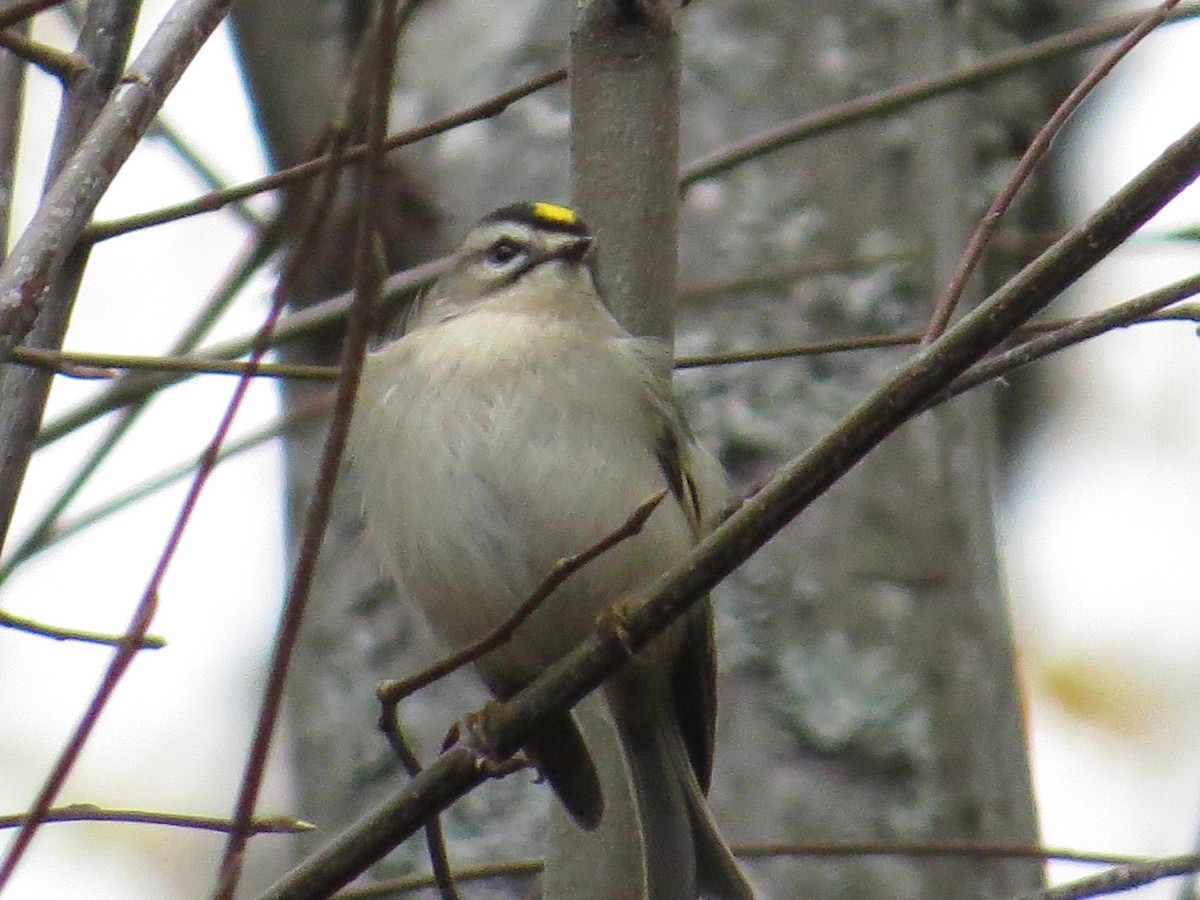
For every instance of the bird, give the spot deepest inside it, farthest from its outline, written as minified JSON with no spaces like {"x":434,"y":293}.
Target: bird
{"x":515,"y":423}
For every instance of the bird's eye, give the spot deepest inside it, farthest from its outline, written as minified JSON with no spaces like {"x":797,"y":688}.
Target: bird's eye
{"x":503,"y":251}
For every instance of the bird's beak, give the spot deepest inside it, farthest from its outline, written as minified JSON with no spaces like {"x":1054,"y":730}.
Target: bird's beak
{"x":576,"y":250}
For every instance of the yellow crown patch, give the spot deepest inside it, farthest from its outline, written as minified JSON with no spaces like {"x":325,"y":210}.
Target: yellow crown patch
{"x":557,"y":215}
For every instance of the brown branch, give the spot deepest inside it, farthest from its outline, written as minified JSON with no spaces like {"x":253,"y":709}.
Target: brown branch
{"x":136,"y":387}
{"x":61,"y":64}
{"x":1143,"y":308}
{"x":83,"y":364}
{"x":24,"y":9}
{"x":1121,"y":878}
{"x":493,"y":106}
{"x":400,"y":886}
{"x":435,"y":839}
{"x":29,"y":626}
{"x":1073,"y":331}
{"x":944,"y":309}
{"x":88,"y":812}
{"x":374,"y":84}
{"x":897,"y":99}
{"x":295,"y":602}
{"x":80,"y":364}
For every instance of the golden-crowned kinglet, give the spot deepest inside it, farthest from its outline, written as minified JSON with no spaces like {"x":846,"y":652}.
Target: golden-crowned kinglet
{"x":514,"y":424}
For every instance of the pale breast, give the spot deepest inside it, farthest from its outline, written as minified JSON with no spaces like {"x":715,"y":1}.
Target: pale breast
{"x":492,"y":452}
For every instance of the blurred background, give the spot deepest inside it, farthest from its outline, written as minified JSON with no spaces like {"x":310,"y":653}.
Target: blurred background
{"x":1099,"y":517}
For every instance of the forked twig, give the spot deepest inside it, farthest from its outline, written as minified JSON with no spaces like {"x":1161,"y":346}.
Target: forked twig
{"x":1033,"y":154}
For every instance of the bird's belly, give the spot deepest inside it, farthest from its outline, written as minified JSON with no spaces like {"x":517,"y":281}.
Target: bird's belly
{"x":485,"y":511}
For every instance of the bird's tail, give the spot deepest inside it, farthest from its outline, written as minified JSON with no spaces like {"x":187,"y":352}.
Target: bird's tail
{"x":686,"y":857}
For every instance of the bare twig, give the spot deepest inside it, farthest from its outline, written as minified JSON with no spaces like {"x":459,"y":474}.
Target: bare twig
{"x":61,"y":64}
{"x":29,"y":626}
{"x":136,"y":387}
{"x":896,"y":99}
{"x":230,"y":867}
{"x":399,"y":887}
{"x":88,"y":812}
{"x":944,"y":309}
{"x":79,"y":364}
{"x":82,"y":364}
{"x":435,"y":839}
{"x":489,"y":108}
{"x":816,"y":124}
{"x":1068,"y":331}
{"x":1069,"y":334}
{"x":202,"y":169}
{"x":1121,"y":878}
{"x":368,"y":275}
{"x":24,"y":9}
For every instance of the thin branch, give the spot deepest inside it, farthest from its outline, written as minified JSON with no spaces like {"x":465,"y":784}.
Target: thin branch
{"x":52,"y":534}
{"x":792,"y":490}
{"x":944,"y":309}
{"x":88,"y":812}
{"x":136,"y":387}
{"x":368,"y":279}
{"x":61,"y":64}
{"x":1071,"y":333}
{"x":12,"y":90}
{"x":398,"y":887}
{"x":101,"y":231}
{"x":435,"y":839}
{"x":390,"y":693}
{"x":897,"y":99}
{"x":819,"y":123}
{"x":1121,"y":878}
{"x":230,"y":866}
{"x":202,"y":168}
{"x":1074,"y":331}
{"x":81,"y":364}
{"x":25,"y":9}
{"x":29,"y":626}
{"x":106,"y":366}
